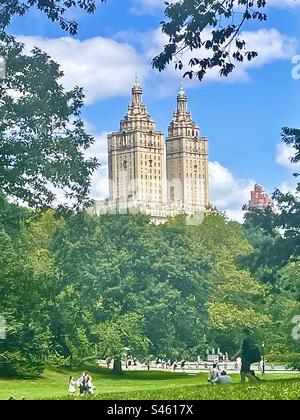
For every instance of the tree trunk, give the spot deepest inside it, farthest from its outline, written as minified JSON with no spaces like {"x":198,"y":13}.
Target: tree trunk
{"x":117,"y":369}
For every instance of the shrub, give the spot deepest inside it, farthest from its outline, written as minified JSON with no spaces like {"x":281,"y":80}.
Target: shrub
{"x":295,"y":361}
{"x":57,"y":362}
{"x":16,"y":365}
{"x":290,"y":359}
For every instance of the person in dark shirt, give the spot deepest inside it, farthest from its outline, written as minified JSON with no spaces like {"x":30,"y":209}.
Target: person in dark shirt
{"x":245,"y":354}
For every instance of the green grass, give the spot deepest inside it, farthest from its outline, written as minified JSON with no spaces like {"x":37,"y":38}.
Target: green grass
{"x":288,"y":389}
{"x":152,"y":385}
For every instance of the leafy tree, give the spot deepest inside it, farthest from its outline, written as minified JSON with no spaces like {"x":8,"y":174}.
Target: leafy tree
{"x":12,"y":217}
{"x":291,"y":136}
{"x":55,"y":10}
{"x":211,"y":31}
{"x":288,"y":218}
{"x":230,"y":285}
{"x":261,"y":220}
{"x":289,"y":280}
{"x":271,"y":251}
{"x":22,"y":353}
{"x":275,"y":259}
{"x":238,"y":301}
{"x":121,"y":336}
{"x":131,"y":274}
{"x":276,"y":235}
{"x":42,"y":137}
{"x":85,"y":286}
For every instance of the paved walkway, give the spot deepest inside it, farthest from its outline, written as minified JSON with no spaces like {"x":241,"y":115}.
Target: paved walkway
{"x":193,"y":368}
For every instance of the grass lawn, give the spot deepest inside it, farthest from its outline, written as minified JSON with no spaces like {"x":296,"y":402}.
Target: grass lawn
{"x":152,"y":385}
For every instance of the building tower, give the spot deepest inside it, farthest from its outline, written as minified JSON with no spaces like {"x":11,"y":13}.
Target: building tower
{"x":260,"y":199}
{"x":136,"y":157}
{"x":187,"y":161}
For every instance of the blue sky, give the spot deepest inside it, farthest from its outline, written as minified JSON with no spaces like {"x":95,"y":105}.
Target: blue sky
{"x":242,"y":116}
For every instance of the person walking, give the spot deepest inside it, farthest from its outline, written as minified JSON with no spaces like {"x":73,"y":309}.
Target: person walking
{"x":90,"y":388}
{"x":250,"y":354}
{"x":81,"y":383}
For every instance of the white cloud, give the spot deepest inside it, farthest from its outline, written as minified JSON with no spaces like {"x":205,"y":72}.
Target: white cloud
{"x":289,"y":186}
{"x":284,"y":154}
{"x":236,"y":215}
{"x":283,"y":3}
{"x":227,"y":192}
{"x":106,"y":67}
{"x":140,"y":7}
{"x":270,"y":44}
{"x":100,"y":184}
{"x":103,"y":66}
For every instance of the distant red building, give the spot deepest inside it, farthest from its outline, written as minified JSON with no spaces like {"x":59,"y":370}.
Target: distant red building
{"x":260,"y":199}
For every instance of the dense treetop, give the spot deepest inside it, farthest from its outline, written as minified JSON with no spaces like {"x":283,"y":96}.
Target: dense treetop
{"x":42,"y":135}
{"x":84,"y":287}
{"x":211,"y":30}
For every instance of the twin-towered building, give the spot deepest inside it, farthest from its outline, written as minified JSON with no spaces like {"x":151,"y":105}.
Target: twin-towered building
{"x":157,"y":177}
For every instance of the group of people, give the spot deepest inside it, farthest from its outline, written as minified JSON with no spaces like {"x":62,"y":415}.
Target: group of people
{"x":247,"y":355}
{"x":167,"y":364}
{"x":131,"y":362}
{"x":84,"y":385}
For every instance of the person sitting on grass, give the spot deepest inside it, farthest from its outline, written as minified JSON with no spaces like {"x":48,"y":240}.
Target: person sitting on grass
{"x":214,"y":373}
{"x":223,"y":379}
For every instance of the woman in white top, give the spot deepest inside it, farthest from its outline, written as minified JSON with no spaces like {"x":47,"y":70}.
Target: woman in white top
{"x":72,"y":383}
{"x":214,"y":373}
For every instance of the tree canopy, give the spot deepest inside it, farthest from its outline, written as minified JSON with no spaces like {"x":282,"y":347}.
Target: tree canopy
{"x":210,"y":30}
{"x":55,"y":10}
{"x":82,"y":287}
{"x":42,"y":135}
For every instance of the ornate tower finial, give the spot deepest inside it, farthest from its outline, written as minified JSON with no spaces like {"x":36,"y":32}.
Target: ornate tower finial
{"x":181,"y":88}
{"x":182,"y":100}
{"x":137,"y":92}
{"x":137,"y":84}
